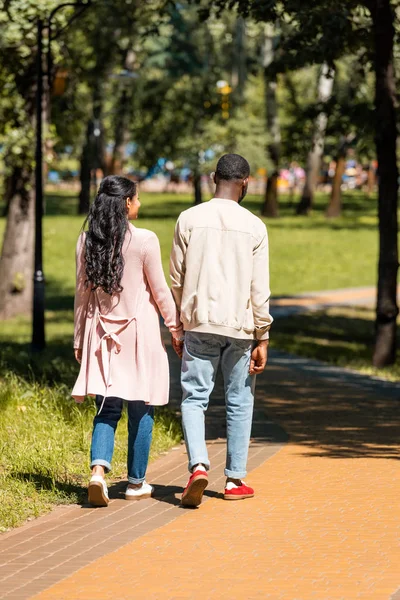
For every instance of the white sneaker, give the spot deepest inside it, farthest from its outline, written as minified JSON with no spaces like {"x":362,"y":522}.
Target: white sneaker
{"x":97,"y":491}
{"x":145,"y":491}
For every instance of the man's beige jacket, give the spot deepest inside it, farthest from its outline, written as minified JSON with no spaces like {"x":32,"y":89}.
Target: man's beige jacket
{"x":220,"y":271}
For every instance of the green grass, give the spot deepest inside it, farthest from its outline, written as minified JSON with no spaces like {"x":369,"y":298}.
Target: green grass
{"x":45,"y":442}
{"x":307,"y":253}
{"x":45,"y":437}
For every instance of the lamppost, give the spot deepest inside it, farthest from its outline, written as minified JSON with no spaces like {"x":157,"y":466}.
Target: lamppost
{"x":38,"y":332}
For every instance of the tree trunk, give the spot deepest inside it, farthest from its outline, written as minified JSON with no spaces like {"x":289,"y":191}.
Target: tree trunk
{"x":16,"y":264}
{"x":270,"y":207}
{"x":371,"y":182}
{"x":325,"y":84}
{"x":239,"y":60}
{"x":8,"y":194}
{"x":119,"y":136}
{"x":93,"y":150}
{"x":386,"y":139}
{"x":198,"y":194}
{"x":85,"y":172}
{"x":335,"y":204}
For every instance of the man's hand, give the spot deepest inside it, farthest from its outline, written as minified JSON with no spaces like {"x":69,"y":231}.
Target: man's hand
{"x":78,"y":354}
{"x":178,"y":346}
{"x":259,"y":358}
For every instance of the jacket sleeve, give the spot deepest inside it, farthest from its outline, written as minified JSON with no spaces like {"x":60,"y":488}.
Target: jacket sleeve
{"x":177,"y":265}
{"x":160,"y":291}
{"x":82,"y":294}
{"x":260,"y":290}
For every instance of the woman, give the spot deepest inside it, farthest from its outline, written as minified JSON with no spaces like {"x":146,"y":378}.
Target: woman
{"x":120,"y":290}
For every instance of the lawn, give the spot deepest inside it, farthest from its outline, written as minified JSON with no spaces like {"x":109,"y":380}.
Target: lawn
{"x":307,"y":253}
{"x":45,"y":438}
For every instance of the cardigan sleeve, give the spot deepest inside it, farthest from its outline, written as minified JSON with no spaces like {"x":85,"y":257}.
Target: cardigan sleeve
{"x":82,"y":294}
{"x":159,"y":289}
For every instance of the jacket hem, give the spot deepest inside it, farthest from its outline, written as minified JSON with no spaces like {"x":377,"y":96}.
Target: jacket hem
{"x":220,"y":330}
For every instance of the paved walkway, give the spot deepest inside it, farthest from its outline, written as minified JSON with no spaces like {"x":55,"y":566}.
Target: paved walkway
{"x":324,"y":524}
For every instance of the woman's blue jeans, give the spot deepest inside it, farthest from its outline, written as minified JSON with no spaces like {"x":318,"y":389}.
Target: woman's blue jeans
{"x":140,"y":430}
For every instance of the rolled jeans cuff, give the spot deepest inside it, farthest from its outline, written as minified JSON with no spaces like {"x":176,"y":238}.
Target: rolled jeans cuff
{"x":101,"y":463}
{"x":235,"y":474}
{"x":135,"y":480}
{"x":198,"y":461}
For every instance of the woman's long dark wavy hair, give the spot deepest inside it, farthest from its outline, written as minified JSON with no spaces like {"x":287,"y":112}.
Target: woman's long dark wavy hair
{"x":107,"y":225}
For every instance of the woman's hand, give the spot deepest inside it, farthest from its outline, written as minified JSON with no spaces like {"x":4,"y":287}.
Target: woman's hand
{"x":178,"y":346}
{"x":259,"y":358}
{"x":78,"y":354}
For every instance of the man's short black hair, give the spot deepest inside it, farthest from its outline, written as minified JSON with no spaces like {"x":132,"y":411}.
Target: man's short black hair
{"x":232,"y":166}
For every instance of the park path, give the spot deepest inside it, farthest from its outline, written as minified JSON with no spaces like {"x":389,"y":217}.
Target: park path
{"x":324,"y":524}
{"x":364,"y":297}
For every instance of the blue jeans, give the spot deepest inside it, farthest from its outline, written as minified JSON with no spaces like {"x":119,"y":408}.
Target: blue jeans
{"x":201,"y":356}
{"x":140,"y":430}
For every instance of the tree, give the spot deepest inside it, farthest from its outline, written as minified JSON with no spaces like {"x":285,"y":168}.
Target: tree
{"x":100,"y":49}
{"x":382,"y":12}
{"x":179,"y":97}
{"x":350,"y":119}
{"x":331,"y":31}
{"x":335,"y":203}
{"x":17,"y":98}
{"x":18,"y":52}
{"x":325,"y":83}
{"x":270,"y":206}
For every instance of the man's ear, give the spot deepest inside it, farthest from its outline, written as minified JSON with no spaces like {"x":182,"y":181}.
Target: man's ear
{"x":215,"y":178}
{"x":246,"y":181}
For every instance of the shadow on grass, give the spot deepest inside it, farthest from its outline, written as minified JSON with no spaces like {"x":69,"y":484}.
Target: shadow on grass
{"x":338,"y":335}
{"x":59,"y":302}
{"x":61,"y":203}
{"x":55,"y":365}
{"x":43,"y":482}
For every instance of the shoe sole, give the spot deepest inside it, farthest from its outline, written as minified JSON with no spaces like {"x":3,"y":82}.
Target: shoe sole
{"x":141,"y":497}
{"x":233,"y":497}
{"x":194,"y":494}
{"x":96,"y":495}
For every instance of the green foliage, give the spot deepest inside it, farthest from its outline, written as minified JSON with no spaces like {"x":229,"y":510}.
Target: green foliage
{"x":18,"y":50}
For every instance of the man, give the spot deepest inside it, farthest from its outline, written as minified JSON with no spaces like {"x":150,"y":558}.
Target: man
{"x":220,"y":280}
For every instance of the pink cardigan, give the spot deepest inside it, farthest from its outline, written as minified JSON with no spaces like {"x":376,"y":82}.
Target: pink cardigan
{"x":123,"y":354}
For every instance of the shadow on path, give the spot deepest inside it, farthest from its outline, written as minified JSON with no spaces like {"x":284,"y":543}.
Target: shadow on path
{"x":331,"y":412}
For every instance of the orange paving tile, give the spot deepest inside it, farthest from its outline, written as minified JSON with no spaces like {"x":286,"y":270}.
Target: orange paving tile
{"x":318,"y":528}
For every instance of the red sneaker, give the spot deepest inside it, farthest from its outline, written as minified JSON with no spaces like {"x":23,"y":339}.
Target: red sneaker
{"x":193,"y":492}
{"x":238,"y":492}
